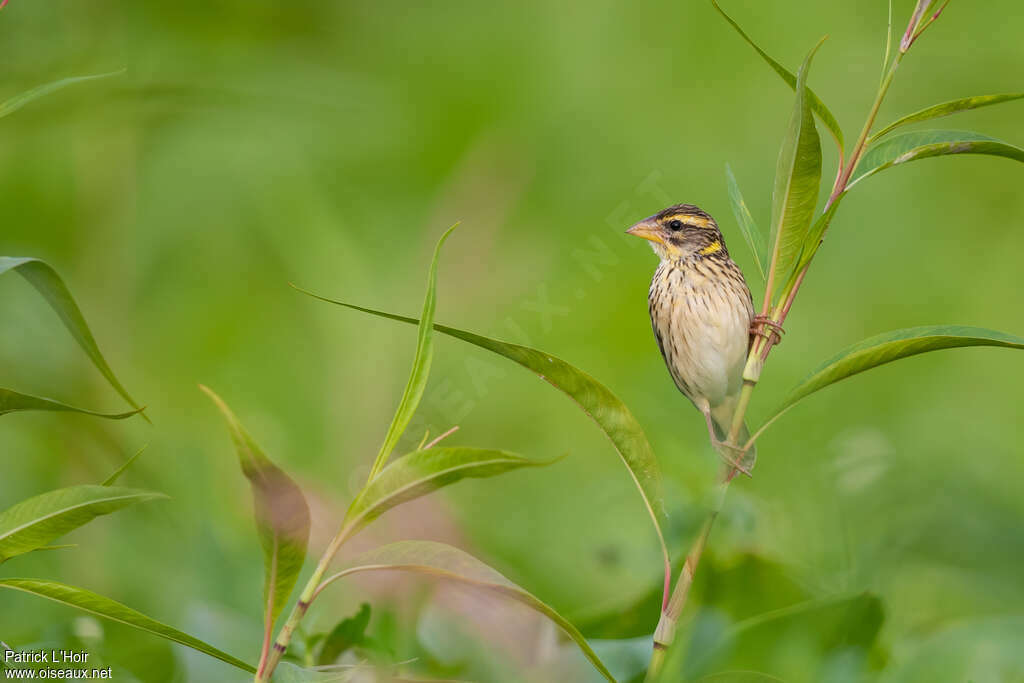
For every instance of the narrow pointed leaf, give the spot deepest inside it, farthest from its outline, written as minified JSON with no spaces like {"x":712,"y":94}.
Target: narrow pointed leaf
{"x":422,"y":472}
{"x":49,"y":284}
{"x":420,"y":365}
{"x":891,"y":346}
{"x":900,"y":149}
{"x":815,"y":102}
{"x":445,"y":562}
{"x":751,"y":232}
{"x":797,"y":179}
{"x":112,"y":479}
{"x":12,"y":401}
{"x":281,"y":512}
{"x":18,"y":101}
{"x":947,"y":108}
{"x":33,"y":523}
{"x":592,"y":397}
{"x":101,"y":606}
{"x":817,"y":233}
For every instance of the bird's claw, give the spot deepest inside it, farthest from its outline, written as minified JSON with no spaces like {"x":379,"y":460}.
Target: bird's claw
{"x":724,"y":449}
{"x":764,"y":326}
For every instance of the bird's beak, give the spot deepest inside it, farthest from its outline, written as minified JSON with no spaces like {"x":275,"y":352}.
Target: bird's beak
{"x":647,"y":229}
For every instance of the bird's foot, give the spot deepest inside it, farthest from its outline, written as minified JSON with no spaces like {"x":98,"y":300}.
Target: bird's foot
{"x":764,"y":326}
{"x":726,"y":450}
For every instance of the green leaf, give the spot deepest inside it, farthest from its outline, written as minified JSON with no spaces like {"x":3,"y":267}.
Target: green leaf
{"x":947,"y":108}
{"x":815,"y":102}
{"x":592,"y":397}
{"x":817,"y":233}
{"x":346,"y":635}
{"x":888,"y":347}
{"x":445,"y":562}
{"x":101,"y":606}
{"x":12,"y":401}
{"x":929,"y":143}
{"x":49,"y":284}
{"x":18,"y":101}
{"x":797,"y":178}
{"x":420,"y":365}
{"x":755,"y":240}
{"x":422,"y":472}
{"x":35,"y":522}
{"x":281,"y":512}
{"x":109,"y":481}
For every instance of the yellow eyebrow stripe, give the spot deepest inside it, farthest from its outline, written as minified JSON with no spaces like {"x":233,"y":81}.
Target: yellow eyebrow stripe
{"x":712,"y":248}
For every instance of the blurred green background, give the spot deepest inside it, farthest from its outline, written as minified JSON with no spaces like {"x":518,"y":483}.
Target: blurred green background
{"x":253,"y":144}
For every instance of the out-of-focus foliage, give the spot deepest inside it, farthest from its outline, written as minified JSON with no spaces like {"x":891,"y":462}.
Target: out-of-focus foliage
{"x":252,"y":144}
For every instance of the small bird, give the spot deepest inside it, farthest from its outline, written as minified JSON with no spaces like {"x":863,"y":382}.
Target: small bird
{"x":701,"y":311}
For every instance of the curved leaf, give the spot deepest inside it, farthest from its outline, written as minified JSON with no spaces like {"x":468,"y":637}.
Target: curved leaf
{"x":752,"y":233}
{"x":281,"y":512}
{"x":12,"y":401}
{"x":18,"y":101}
{"x":446,"y":562}
{"x":815,"y":102}
{"x":112,"y":479}
{"x":420,"y":365}
{"x":49,"y":284}
{"x":33,"y":523}
{"x":349,"y":633}
{"x":888,"y":347}
{"x":929,"y":143}
{"x":422,"y":472}
{"x":947,"y":108}
{"x":595,"y":399}
{"x":797,"y":178}
{"x":109,"y":609}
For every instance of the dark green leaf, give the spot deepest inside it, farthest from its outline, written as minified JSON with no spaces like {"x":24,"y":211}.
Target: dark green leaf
{"x":33,"y":523}
{"x":947,"y":108}
{"x":422,"y":472}
{"x":109,"y":609}
{"x":595,"y":399}
{"x":347,"y":634}
{"x":18,"y":101}
{"x":109,"y":481}
{"x":13,"y":401}
{"x":420,"y":365}
{"x":281,"y":512}
{"x":815,"y":102}
{"x":445,"y":562}
{"x":49,"y":284}
{"x":891,"y":346}
{"x":929,"y":143}
{"x":797,"y":178}
{"x":751,"y":232}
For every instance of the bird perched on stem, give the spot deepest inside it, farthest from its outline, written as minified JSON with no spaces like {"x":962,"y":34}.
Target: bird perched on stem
{"x":701,"y":312}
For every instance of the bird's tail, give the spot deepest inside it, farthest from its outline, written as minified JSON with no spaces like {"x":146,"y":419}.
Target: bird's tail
{"x":721,"y":416}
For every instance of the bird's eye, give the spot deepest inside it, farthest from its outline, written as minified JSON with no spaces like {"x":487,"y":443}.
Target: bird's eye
{"x":675,"y":225}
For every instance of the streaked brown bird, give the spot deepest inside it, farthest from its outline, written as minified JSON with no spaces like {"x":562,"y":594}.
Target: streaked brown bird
{"x":701,"y":311}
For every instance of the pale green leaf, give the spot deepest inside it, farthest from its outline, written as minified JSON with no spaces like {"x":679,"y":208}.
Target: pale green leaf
{"x":445,"y":562}
{"x":101,"y":606}
{"x":947,"y":108}
{"x":751,"y":232}
{"x":109,"y":481}
{"x":12,"y":401}
{"x":815,"y":102}
{"x":33,"y":523}
{"x":888,"y":347}
{"x":929,"y":143}
{"x":595,"y":399}
{"x":347,"y":634}
{"x":18,"y":101}
{"x":49,"y":284}
{"x":817,"y":233}
{"x":281,"y":512}
{"x":797,"y":179}
{"x":420,"y":365}
{"x":422,"y":472}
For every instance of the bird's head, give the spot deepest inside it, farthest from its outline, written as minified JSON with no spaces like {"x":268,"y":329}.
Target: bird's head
{"x":681,"y":231}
